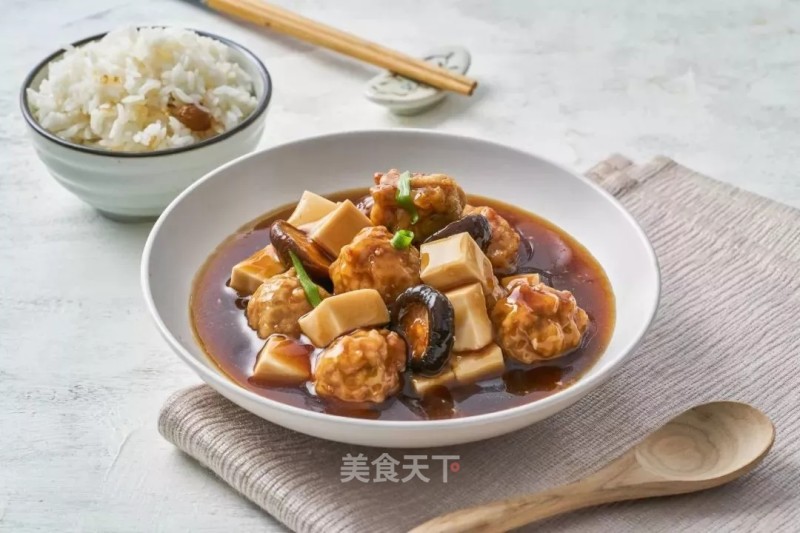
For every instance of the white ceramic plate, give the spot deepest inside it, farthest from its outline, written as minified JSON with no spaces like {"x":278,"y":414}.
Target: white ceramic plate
{"x":214,"y":207}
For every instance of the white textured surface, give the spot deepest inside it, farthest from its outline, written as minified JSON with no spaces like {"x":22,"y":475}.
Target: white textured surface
{"x":82,"y":371}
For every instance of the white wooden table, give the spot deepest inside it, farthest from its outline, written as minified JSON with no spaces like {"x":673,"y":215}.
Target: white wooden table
{"x":82,"y":370}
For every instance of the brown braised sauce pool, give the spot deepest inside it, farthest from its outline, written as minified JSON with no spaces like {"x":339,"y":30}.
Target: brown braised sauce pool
{"x":220,"y":325}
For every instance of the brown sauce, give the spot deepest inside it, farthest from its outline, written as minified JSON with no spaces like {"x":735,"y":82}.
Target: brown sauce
{"x":220,"y":325}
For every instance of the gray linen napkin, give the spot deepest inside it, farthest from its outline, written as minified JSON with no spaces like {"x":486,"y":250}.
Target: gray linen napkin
{"x":728,"y":328}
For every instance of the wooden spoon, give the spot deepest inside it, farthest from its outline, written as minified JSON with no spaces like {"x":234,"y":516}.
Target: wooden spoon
{"x":704,"y":447}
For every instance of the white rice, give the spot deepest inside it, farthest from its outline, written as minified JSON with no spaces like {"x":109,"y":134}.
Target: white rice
{"x":114,"y":93}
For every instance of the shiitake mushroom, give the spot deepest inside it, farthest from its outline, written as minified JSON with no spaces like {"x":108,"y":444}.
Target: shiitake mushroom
{"x":287,"y":238}
{"x":476,"y":225}
{"x":424,"y":317}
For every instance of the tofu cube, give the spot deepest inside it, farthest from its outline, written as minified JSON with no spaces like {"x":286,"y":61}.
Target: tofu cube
{"x":454,"y":261}
{"x":311,"y":208}
{"x":423,"y":385}
{"x":471,"y":367}
{"x":283,"y":361}
{"x":339,"y":227}
{"x":531,"y":279}
{"x":473,"y":329}
{"x":255,"y":270}
{"x":342,"y":313}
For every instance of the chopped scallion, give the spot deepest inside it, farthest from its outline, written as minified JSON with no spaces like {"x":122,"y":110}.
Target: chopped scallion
{"x":404,"y":198}
{"x":309,"y":287}
{"x":402,"y":239}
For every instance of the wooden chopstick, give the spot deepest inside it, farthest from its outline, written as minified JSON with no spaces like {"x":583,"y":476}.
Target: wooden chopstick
{"x":284,"y":21}
{"x":323,"y":28}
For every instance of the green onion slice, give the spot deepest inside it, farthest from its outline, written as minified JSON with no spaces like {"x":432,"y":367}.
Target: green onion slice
{"x":309,"y":287}
{"x":402,"y":239}
{"x":404,"y":198}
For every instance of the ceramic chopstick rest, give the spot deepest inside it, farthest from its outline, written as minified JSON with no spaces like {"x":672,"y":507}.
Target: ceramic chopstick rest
{"x":403,"y":96}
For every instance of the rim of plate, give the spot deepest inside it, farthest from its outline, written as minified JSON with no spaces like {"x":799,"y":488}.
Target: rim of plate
{"x":581,"y":386}
{"x":261,"y":107}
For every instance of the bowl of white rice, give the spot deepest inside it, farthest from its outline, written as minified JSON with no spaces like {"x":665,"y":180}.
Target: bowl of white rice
{"x":128,"y":119}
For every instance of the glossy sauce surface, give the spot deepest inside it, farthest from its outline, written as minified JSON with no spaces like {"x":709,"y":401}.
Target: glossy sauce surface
{"x":218,"y":318}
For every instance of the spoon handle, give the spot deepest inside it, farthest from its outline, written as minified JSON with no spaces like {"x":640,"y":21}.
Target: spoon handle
{"x":704,"y":447}
{"x":515,"y":512}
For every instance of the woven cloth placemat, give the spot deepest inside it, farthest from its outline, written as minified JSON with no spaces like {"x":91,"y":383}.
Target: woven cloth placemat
{"x":728,"y":328}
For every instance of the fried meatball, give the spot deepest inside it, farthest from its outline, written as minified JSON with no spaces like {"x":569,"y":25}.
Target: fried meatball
{"x":277,"y":304}
{"x":504,"y":246}
{"x":371,"y":262}
{"x":537,"y":322}
{"x":363,"y":366}
{"x":438,"y":199}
